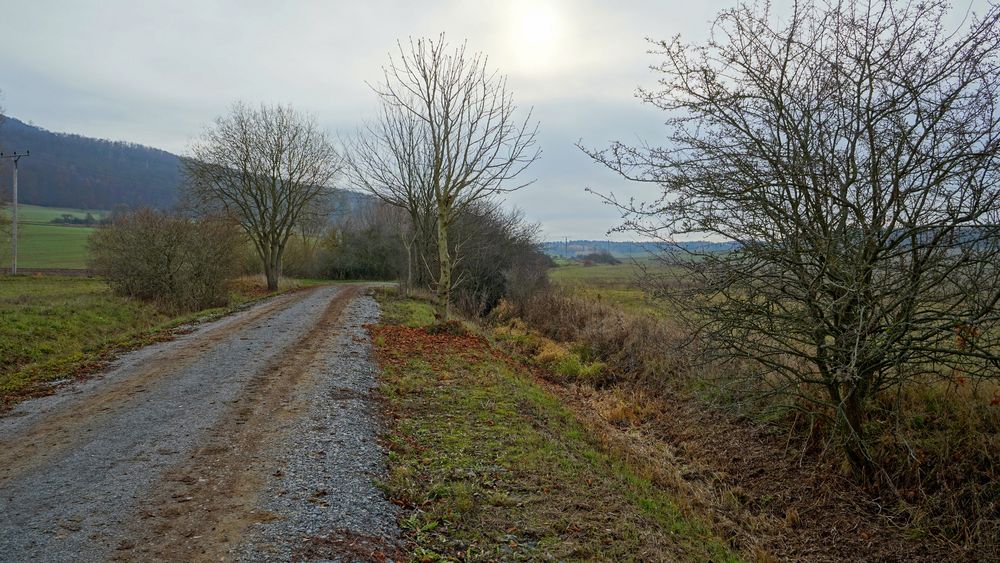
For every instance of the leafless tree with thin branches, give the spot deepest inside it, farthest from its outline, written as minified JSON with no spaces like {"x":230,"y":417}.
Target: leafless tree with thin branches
{"x":264,"y":166}
{"x":449,"y":135}
{"x":391,"y":159}
{"x":848,"y":152}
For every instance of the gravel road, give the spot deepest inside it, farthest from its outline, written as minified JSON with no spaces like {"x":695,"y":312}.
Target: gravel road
{"x":254,"y":437}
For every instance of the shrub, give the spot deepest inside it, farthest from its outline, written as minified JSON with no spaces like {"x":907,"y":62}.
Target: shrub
{"x":633,"y":347}
{"x":303,"y":258}
{"x":604,"y":257}
{"x":181,"y":264}
{"x":499,"y":257}
{"x":367,"y":246}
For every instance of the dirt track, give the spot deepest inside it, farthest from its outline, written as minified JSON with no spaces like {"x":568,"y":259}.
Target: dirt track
{"x":244,"y":439}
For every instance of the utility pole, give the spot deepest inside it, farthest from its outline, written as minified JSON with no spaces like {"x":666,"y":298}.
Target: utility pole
{"x":14,"y":156}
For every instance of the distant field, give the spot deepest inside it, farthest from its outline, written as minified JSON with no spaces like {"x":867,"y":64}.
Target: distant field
{"x":618,"y":284}
{"x":602,"y":275}
{"x":39,"y":214}
{"x":42,"y":244}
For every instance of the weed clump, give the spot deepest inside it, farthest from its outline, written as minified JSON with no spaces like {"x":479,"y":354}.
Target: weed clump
{"x":634,"y":348}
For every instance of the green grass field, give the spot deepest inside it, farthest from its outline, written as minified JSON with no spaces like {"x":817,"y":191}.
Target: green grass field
{"x":52,"y":246}
{"x":42,"y":244}
{"x":618,"y":284}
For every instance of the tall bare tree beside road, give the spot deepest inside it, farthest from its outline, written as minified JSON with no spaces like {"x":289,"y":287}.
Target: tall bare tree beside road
{"x":449,"y":131}
{"x":391,"y":159}
{"x":264,"y":166}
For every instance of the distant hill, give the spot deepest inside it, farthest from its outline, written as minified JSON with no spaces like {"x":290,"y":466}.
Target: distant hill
{"x":621,"y":249}
{"x":66,"y":170}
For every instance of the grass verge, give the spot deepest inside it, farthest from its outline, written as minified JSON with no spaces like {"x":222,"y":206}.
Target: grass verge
{"x":488,"y":465}
{"x":57,"y":328}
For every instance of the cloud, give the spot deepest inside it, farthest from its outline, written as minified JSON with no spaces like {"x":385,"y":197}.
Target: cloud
{"x":155,"y":71}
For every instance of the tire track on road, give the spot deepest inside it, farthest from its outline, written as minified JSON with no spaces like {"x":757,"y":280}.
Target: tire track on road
{"x":64,"y":428}
{"x":201,"y":507}
{"x":78,"y":465}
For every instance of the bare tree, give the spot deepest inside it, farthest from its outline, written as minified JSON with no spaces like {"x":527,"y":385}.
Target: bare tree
{"x":849,"y":154}
{"x":264,"y":166}
{"x":392,"y":159}
{"x":448,"y":128}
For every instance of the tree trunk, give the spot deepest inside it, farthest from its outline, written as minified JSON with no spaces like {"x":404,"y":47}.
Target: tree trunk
{"x":855,"y":446}
{"x":444,"y":276}
{"x":409,"y":266}
{"x":271,"y":272}
{"x":271,"y":275}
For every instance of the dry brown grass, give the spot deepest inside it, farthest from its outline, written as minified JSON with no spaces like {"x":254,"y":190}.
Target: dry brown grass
{"x":550,"y":352}
{"x":634,"y":347}
{"x":629,"y":406}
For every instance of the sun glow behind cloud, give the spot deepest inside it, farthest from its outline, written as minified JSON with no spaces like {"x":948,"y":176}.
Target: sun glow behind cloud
{"x":576,"y":62}
{"x":537,"y":34}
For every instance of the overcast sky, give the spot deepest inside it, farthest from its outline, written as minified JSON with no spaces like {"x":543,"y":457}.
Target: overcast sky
{"x":156,"y":72}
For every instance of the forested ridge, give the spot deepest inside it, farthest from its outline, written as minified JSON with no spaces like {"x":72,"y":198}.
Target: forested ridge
{"x":67,"y":170}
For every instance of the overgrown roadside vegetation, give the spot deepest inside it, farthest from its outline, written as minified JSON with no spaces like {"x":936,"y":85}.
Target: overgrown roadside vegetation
{"x":770,"y":475}
{"x":59,"y":328}
{"x":489,"y":465}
